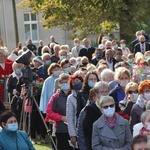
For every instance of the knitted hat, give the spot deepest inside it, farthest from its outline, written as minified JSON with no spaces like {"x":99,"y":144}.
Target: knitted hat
{"x":38,"y":58}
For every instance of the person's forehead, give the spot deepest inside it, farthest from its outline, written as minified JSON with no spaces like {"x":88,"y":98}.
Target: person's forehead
{"x":141,"y":146}
{"x":76,"y":40}
{"x":108,"y":52}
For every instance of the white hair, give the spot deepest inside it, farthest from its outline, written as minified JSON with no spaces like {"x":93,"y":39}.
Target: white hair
{"x":43,"y":49}
{"x":4,"y":51}
{"x":45,"y":54}
{"x":106,"y":72}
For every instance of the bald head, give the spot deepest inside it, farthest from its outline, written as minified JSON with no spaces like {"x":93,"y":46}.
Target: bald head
{"x":142,"y":38}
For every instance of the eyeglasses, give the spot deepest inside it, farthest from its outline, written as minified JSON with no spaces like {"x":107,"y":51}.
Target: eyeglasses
{"x":104,"y":92}
{"x":146,"y":91}
{"x":111,"y":106}
{"x":130,"y":92}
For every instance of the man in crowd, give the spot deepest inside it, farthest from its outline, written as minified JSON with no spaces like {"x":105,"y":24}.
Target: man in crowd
{"x":87,"y":49}
{"x":109,"y":57}
{"x":134,"y":42}
{"x":42,"y":71}
{"x":31,"y":46}
{"x":141,"y":46}
{"x":77,"y":47}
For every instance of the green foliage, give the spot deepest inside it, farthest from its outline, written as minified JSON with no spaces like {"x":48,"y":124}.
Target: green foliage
{"x":92,"y":16}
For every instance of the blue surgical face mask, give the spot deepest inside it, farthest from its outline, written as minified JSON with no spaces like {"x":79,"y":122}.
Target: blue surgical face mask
{"x":109,"y":112}
{"x":48,"y":62}
{"x":56,"y":73}
{"x":12,"y":126}
{"x":101,"y":97}
{"x":18,"y":71}
{"x":79,"y":63}
{"x":67,"y":70}
{"x":65,"y":86}
{"x":115,"y":46}
{"x":135,"y":96}
{"x":91,"y":84}
{"x":98,"y":56}
{"x":62,"y":57}
{"x":130,"y":61}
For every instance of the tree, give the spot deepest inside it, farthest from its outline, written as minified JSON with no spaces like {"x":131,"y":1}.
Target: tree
{"x":92,"y":16}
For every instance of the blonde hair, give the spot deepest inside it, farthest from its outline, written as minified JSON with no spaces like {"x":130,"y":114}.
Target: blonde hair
{"x":120,"y":71}
{"x":4,"y":51}
{"x":131,"y":85}
{"x":45,"y":48}
{"x":63,"y":76}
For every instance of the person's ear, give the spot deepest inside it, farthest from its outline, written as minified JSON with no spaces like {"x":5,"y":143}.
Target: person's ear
{"x":3,"y":124}
{"x":101,"y":110}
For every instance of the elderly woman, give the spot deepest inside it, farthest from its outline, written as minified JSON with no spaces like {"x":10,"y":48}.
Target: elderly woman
{"x":122,"y":76}
{"x":110,"y":131}
{"x":143,"y":127}
{"x":47,"y":92}
{"x":107,"y":75}
{"x":92,"y":111}
{"x":138,"y":126}
{"x":10,"y":136}
{"x":139,"y":106}
{"x":13,"y":79}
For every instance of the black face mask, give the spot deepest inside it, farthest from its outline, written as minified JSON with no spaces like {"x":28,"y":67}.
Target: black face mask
{"x":84,"y":64}
{"x":19,"y":47}
{"x":110,"y":60}
{"x":142,"y":42}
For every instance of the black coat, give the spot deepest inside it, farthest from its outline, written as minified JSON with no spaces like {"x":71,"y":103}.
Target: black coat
{"x":87,"y":52}
{"x":92,"y":113}
{"x":133,"y":43}
{"x":114,"y":62}
{"x":137,"y":47}
{"x":82,"y":98}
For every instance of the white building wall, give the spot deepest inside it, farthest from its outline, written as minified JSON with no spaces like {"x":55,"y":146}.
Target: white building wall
{"x":7,"y":29}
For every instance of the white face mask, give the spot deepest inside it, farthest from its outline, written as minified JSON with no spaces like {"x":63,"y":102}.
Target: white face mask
{"x":148,"y":126}
{"x":123,"y":83}
{"x":147,"y":96}
{"x":76,"y":44}
{"x":123,"y":45}
{"x":109,"y":112}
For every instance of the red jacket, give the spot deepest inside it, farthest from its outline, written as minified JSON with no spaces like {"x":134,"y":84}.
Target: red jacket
{"x":4,"y":74}
{"x":49,"y":112}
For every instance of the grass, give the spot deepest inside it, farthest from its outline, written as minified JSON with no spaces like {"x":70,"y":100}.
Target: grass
{"x":42,"y":146}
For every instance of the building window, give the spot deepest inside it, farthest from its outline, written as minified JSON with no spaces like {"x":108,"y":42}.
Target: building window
{"x":31,"y":27}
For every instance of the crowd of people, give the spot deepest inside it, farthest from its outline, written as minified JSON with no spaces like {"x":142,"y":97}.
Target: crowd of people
{"x":91,"y":98}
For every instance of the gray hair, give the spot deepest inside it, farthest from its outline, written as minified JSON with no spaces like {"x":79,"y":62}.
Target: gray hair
{"x":44,"y":55}
{"x":55,"y":46}
{"x":144,"y":115}
{"x":100,"y":85}
{"x":106,"y":99}
{"x":45,"y":48}
{"x":148,"y":105}
{"x":106,"y":72}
